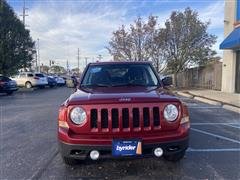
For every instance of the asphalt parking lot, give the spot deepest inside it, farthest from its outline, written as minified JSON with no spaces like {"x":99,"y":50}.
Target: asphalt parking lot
{"x":28,"y":144}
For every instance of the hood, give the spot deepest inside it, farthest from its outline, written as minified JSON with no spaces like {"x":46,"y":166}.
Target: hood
{"x":120,"y":95}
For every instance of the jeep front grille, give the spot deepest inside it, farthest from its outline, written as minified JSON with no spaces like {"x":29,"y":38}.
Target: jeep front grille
{"x":125,"y":119}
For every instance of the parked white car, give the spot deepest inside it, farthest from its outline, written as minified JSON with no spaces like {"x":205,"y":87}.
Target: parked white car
{"x":60,"y":80}
{"x":29,"y":79}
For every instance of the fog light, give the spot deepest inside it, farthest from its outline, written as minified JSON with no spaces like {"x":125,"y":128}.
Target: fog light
{"x":94,"y":154}
{"x":158,"y":152}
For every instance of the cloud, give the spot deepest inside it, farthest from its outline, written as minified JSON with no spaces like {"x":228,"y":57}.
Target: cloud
{"x":213,"y":13}
{"x":65,"y":26}
{"x":61,"y":32}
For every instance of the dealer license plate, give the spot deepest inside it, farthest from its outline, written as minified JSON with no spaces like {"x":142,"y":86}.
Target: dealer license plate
{"x":126,"y":147}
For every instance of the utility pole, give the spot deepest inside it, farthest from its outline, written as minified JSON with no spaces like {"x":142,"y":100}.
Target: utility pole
{"x":78,"y":62}
{"x":86,"y":61}
{"x":24,"y":13}
{"x":67,"y":67}
{"x":38,"y":52}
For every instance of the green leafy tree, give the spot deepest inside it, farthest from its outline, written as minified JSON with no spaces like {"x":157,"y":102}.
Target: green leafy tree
{"x":76,"y":71}
{"x":57,"y":70}
{"x":16,"y":45}
{"x":187,"y":41}
{"x":44,"y":69}
{"x":182,"y":43}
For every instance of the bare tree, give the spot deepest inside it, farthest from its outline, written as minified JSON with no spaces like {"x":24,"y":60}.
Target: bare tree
{"x":183,"y":42}
{"x":133,"y":44}
{"x":156,"y":51}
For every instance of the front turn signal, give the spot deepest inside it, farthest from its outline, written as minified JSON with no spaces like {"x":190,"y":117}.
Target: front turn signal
{"x":63,"y":124}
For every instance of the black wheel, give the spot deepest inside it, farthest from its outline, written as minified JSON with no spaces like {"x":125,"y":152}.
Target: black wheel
{"x":9,"y":92}
{"x":70,"y":161}
{"x":28,"y":85}
{"x":175,"y":157}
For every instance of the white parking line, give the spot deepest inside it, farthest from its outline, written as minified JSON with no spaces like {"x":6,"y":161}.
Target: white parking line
{"x":199,"y":124}
{"x":217,"y":136}
{"x":214,"y":150}
{"x":232,"y":125}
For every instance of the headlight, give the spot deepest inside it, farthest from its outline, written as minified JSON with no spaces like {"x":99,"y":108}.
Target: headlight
{"x":170,"y":112}
{"x":78,"y":115}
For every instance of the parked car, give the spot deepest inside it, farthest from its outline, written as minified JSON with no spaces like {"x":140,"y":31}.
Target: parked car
{"x":29,"y":79}
{"x":7,"y":85}
{"x":122,"y":109}
{"x":60,"y":80}
{"x":51,"y":81}
{"x":42,"y":78}
{"x":72,"y":82}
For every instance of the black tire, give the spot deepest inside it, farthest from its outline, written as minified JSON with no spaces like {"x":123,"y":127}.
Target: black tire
{"x":175,"y":157}
{"x":70,"y":161}
{"x":9,"y":93}
{"x":28,"y":85}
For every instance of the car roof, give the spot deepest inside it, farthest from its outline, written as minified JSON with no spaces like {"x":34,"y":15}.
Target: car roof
{"x":120,"y":62}
{"x":26,"y":72}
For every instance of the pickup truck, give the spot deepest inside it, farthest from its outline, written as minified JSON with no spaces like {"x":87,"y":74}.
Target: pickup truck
{"x":122,"y":109}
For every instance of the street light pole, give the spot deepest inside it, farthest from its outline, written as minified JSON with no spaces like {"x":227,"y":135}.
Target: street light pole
{"x":78,"y":62}
{"x":39,"y":68}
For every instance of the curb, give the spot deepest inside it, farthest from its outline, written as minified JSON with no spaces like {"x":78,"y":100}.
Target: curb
{"x":208,"y":101}
{"x":231,"y":108}
{"x":185,"y":94}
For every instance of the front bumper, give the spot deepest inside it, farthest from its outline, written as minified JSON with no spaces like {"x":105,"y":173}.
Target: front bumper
{"x":82,"y":151}
{"x":9,"y":89}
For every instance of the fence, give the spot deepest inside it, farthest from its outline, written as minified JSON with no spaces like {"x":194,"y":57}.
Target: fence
{"x":207,"y":77}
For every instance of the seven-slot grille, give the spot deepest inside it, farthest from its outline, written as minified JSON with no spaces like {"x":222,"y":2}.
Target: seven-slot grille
{"x":125,"y":118}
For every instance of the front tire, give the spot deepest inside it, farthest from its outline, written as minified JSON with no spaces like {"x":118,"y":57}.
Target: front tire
{"x":69,"y":161}
{"x":28,"y":85}
{"x":175,"y":157}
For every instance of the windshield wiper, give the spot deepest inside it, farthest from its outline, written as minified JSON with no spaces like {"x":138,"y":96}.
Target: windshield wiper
{"x":129,"y":84}
{"x":95,"y":85}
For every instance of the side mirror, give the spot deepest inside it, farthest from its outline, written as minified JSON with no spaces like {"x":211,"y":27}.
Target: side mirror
{"x":167,"y":81}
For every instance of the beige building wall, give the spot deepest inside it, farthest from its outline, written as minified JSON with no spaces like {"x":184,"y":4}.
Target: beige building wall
{"x":229,"y":56}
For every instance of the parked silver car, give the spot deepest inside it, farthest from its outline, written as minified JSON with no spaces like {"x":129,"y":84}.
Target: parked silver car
{"x":29,"y":79}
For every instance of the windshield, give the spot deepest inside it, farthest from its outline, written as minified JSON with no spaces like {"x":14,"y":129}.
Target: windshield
{"x":30,"y":75}
{"x":120,"y":75}
{"x":39,"y":75}
{"x":3,"y":78}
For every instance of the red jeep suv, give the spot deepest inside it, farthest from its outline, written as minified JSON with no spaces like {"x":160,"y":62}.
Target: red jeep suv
{"x":122,"y":109}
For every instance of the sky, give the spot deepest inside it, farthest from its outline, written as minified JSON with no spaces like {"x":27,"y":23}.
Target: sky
{"x":63,"y":26}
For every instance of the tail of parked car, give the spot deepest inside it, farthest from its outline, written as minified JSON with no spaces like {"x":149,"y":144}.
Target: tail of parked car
{"x":7,"y":85}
